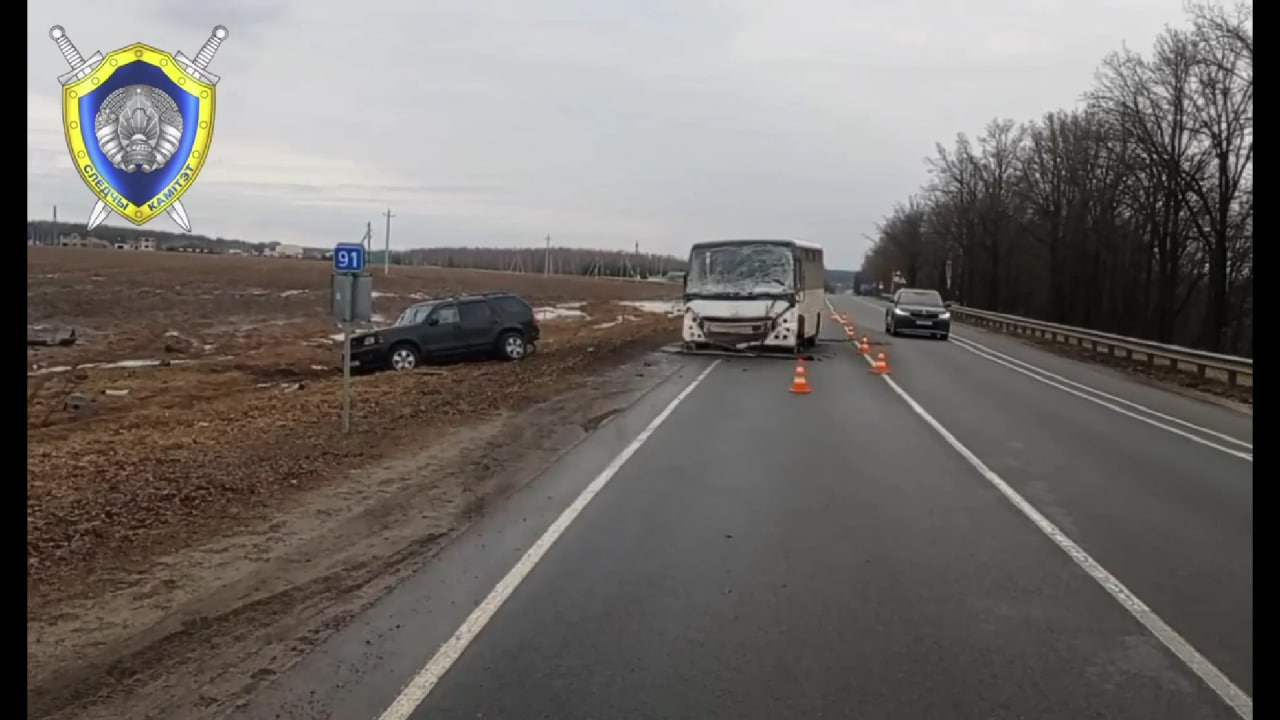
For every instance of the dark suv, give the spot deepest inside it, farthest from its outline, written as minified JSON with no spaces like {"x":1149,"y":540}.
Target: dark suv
{"x":496,"y":323}
{"x":919,"y":311}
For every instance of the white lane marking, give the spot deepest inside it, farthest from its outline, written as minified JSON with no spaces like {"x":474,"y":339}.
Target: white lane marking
{"x":1116,"y":399}
{"x":1176,"y":431}
{"x":1036,"y":373}
{"x":1232,"y":695}
{"x":425,"y":680}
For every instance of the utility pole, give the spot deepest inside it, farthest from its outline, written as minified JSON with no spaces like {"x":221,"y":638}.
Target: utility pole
{"x":637,"y":268}
{"x":368,"y":237}
{"x":386,"y":254}
{"x":546,"y":265}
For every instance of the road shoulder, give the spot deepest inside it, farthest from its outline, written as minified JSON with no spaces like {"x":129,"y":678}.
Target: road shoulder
{"x":229,"y":616}
{"x":365,"y":663}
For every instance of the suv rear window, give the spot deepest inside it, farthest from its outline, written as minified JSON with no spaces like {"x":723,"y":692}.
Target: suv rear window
{"x":513,"y":306}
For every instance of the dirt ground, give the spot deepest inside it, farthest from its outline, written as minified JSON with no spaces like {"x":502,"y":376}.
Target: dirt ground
{"x":196,"y":520}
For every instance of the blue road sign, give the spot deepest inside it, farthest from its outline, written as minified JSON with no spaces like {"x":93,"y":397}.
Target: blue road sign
{"x":348,"y":258}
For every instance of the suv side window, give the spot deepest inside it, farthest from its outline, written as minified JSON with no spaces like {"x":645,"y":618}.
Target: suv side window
{"x":447,"y":314}
{"x":418,"y":315}
{"x":475,"y":313}
{"x":514,"y":307}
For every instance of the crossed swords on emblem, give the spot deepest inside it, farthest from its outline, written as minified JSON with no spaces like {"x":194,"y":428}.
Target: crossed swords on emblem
{"x":81,"y":68}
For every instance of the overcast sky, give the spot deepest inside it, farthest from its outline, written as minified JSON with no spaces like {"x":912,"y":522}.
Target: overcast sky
{"x":662,"y":122}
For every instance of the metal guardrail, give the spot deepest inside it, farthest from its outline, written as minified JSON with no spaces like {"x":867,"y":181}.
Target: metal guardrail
{"x":1178,"y":358}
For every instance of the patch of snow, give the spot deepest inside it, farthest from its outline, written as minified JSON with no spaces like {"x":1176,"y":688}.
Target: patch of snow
{"x":377,"y":294}
{"x":665,"y":307}
{"x":602,"y":326}
{"x":119,"y":364}
{"x":290,"y":293}
{"x":559,"y":312}
{"x":130,"y":364}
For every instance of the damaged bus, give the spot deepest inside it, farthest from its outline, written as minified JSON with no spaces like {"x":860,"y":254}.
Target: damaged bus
{"x":754,"y":295}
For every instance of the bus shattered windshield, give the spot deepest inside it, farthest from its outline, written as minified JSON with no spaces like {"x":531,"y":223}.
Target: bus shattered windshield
{"x":740,"y":271}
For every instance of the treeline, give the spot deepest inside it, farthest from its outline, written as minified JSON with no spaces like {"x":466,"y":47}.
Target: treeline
{"x":556,"y":260}
{"x":841,"y":278}
{"x":48,"y":232}
{"x":561,"y":260}
{"x":1131,"y":214}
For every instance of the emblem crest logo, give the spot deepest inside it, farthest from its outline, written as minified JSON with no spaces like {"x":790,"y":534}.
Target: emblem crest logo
{"x":139,"y":124}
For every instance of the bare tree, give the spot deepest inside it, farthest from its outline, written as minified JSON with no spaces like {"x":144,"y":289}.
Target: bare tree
{"x":1222,"y":120}
{"x":1132,"y":214}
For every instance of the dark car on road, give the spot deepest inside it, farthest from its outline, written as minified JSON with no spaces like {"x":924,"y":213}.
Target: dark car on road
{"x":918,"y":311}
{"x":493,"y":324}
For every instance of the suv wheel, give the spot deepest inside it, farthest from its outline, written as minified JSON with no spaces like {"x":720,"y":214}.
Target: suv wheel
{"x":403,"y":357}
{"x":511,"y":346}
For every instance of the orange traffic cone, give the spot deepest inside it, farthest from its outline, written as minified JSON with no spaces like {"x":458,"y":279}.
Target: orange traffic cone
{"x":881,"y":366}
{"x":865,"y":347}
{"x":800,"y":383}
{"x":850,"y":332}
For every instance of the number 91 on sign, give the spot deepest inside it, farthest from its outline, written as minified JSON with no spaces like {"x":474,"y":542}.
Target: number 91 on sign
{"x":348,"y":258}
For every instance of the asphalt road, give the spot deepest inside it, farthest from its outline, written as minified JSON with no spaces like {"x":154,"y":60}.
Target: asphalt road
{"x":766,"y":555}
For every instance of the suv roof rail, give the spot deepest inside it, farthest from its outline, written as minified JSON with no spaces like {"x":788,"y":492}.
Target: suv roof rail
{"x":464,"y":296}
{"x":487,"y":293}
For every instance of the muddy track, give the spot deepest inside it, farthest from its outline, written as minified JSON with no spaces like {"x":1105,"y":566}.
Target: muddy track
{"x":185,"y":637}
